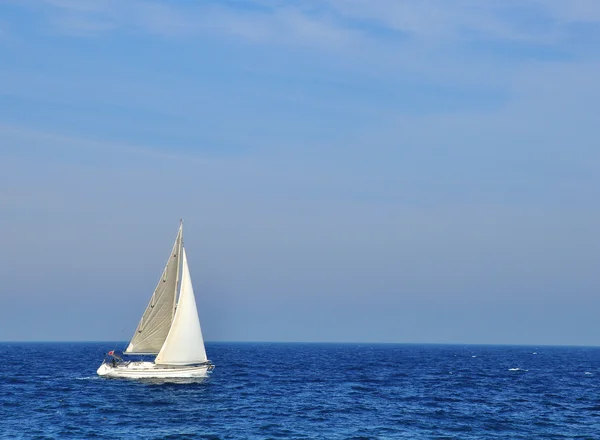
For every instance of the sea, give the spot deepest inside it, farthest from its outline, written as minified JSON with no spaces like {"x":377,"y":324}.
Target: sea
{"x":308,"y":391}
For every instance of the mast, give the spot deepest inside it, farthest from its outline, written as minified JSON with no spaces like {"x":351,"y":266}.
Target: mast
{"x":179,"y":269}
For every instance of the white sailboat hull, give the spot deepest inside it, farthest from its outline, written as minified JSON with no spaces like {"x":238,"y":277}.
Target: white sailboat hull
{"x":141,"y":370}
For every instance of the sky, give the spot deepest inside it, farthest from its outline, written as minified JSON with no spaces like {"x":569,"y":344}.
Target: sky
{"x":411,"y":171}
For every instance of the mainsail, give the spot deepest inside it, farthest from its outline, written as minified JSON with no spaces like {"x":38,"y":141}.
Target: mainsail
{"x":184,"y":344}
{"x":156,"y":321}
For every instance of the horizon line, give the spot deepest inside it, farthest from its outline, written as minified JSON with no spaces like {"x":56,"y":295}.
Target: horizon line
{"x":318,"y":342}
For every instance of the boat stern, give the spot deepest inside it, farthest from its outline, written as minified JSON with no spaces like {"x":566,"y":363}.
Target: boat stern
{"x":104,"y":369}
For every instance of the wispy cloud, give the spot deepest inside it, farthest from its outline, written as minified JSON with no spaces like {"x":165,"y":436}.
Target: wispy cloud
{"x":572,"y":11}
{"x":391,"y":67}
{"x":435,"y":19}
{"x":275,"y":24}
{"x":431,"y":39}
{"x":332,"y":21}
{"x":96,"y":16}
{"x":55,"y":139}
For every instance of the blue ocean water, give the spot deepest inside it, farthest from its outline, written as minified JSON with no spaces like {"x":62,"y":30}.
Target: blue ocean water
{"x":308,"y":391}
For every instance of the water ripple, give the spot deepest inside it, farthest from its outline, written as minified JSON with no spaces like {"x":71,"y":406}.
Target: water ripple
{"x":308,"y":391}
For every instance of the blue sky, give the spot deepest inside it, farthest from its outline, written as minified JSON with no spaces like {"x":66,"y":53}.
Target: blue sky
{"x":348,"y":170}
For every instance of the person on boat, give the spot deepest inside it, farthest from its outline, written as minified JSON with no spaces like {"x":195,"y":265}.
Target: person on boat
{"x":114,"y":358}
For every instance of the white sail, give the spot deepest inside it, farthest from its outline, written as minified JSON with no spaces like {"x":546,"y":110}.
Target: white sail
{"x":184,"y":344}
{"x":156,"y":321}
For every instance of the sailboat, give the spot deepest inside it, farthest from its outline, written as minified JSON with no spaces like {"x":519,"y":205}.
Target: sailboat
{"x":169,"y":329}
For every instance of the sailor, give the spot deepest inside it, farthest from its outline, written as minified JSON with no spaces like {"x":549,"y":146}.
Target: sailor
{"x":113,"y":358}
